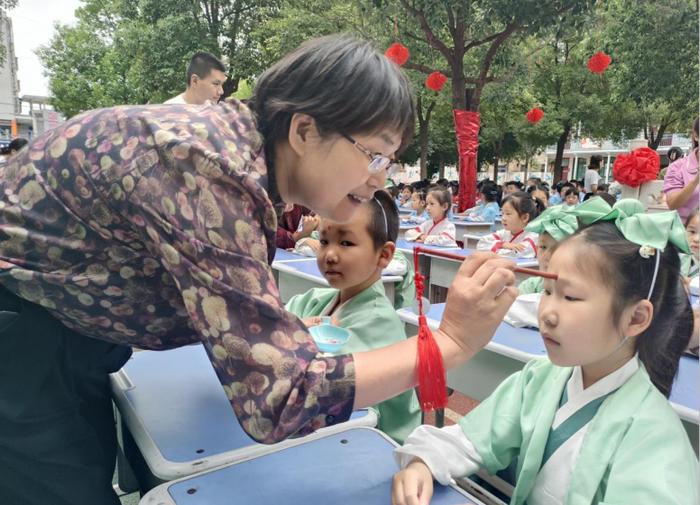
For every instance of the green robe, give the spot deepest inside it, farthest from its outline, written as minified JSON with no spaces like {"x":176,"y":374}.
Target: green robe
{"x":531,"y":285}
{"x":374,"y":324}
{"x":635,"y":450}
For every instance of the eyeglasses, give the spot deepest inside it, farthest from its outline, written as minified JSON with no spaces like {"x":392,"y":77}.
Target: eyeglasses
{"x":378,"y":161}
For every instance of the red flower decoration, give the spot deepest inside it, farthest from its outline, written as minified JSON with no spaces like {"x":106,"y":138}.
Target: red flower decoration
{"x":534,"y":115}
{"x":398,"y":53}
{"x":639,"y":166}
{"x":436,"y":81}
{"x":599,"y":62}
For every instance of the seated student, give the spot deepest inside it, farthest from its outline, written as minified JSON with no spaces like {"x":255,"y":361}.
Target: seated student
{"x":351,"y":258}
{"x":571,"y":198}
{"x":489,"y":207}
{"x":552,"y":226}
{"x":512,"y":187}
{"x":405,"y":196}
{"x":591,"y":424}
{"x":289,"y":230}
{"x":602,"y":188}
{"x":554,"y":194}
{"x":541,"y":192}
{"x":513,"y":241}
{"x":437,"y":230}
{"x":418,"y":204}
{"x":689,"y":262}
{"x":690,"y":269}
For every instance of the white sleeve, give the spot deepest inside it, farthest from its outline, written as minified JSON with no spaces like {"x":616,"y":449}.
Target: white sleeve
{"x":523,"y":312}
{"x":488,"y":242}
{"x":444,"y":237}
{"x":446,"y":451}
{"x":530,"y":242}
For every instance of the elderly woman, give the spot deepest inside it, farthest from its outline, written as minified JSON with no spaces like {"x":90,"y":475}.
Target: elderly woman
{"x":154,"y":227}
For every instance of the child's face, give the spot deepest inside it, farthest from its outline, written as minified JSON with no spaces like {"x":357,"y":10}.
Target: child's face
{"x":545,"y":243}
{"x":538,"y":193}
{"x":406,"y":193}
{"x":691,"y":231}
{"x":416,"y":203}
{"x":571,"y":199}
{"x":346,"y":256}
{"x":511,"y":220}
{"x":511,"y":188}
{"x":575,"y":315}
{"x":435,"y":210}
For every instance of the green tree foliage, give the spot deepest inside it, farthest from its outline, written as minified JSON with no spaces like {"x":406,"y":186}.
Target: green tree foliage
{"x":131,"y":52}
{"x":654,"y":73}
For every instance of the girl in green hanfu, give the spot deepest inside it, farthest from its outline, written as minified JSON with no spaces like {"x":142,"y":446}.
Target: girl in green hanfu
{"x":591,"y":424}
{"x":351,"y":257}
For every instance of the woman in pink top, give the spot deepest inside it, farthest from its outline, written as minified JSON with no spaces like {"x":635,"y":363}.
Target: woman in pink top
{"x":681,"y":181}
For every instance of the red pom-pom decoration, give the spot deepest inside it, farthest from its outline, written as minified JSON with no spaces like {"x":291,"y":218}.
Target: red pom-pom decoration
{"x":436,"y":81}
{"x":398,"y":53}
{"x":639,"y":166}
{"x":534,"y":115}
{"x":599,"y":62}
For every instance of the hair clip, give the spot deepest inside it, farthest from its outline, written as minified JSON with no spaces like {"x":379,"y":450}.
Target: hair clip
{"x":646,"y":251}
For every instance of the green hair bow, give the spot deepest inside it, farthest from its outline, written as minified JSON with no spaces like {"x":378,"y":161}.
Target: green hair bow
{"x":648,"y":230}
{"x":558,"y":221}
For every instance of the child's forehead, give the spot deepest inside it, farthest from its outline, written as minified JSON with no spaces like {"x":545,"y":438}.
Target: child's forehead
{"x":358,"y":223}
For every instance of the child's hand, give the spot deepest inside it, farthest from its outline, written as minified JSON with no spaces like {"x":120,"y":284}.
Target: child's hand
{"x":421,"y":238}
{"x":518,"y":247}
{"x":309,"y":224}
{"x":313,"y":244}
{"x":413,"y":485}
{"x":507,"y":245}
{"x":316,"y":320}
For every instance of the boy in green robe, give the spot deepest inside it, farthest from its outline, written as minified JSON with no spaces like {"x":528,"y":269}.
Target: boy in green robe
{"x":351,"y":257}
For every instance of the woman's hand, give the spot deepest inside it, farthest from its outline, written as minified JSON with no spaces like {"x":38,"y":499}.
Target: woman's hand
{"x":479,"y":297}
{"x":421,"y":238}
{"x":309,"y":224}
{"x":413,"y":485}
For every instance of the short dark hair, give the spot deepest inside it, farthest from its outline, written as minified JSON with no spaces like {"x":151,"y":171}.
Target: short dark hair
{"x":570,"y":191}
{"x":442,"y":195}
{"x":611,"y":200}
{"x":381,"y":231}
{"x":594,"y":162}
{"x":17,"y":144}
{"x":674,"y":150}
{"x":618,"y":263}
{"x":201,"y":64}
{"x":517,"y":184}
{"x":524,"y":203}
{"x":490,"y":190}
{"x":344,"y":83}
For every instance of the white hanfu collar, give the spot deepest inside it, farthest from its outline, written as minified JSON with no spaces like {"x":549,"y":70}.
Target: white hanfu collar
{"x":578,"y":397}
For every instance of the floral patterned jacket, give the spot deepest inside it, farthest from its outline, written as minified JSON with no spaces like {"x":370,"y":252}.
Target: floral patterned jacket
{"x":151,"y":226}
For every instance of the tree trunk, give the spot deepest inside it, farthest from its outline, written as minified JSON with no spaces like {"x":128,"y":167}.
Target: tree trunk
{"x":654,"y":140}
{"x":423,"y":140}
{"x":561,"y":143}
{"x":495,"y":167}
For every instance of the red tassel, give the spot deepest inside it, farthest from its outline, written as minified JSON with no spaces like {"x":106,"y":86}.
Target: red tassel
{"x":430,"y":369}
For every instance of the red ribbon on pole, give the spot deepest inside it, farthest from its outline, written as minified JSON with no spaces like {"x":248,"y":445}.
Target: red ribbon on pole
{"x":467,"y":124}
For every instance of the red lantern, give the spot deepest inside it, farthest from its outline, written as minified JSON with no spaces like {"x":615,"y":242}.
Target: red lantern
{"x":436,"y":81}
{"x":599,"y":62}
{"x":534,"y":115}
{"x":398,"y":53}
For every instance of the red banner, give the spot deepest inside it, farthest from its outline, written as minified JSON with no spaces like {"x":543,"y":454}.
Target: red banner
{"x":467,"y":125}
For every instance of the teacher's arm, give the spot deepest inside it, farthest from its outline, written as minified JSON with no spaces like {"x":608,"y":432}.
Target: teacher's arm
{"x":477,"y":301}
{"x":213,"y":243}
